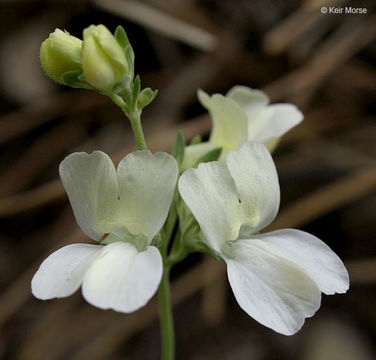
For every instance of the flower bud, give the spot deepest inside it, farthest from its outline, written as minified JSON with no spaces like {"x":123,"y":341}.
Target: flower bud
{"x":60,"y":53}
{"x":103,"y":60}
{"x":146,"y":97}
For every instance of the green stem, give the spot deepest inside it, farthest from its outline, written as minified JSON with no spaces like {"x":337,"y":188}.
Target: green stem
{"x":135,"y":120}
{"x":127,"y":102}
{"x":166,"y":318}
{"x":169,"y":225}
{"x":178,"y":251}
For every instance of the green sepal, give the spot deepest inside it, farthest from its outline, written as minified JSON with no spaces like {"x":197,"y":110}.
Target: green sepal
{"x":179,"y":147}
{"x":197,"y":139}
{"x":75,"y":79}
{"x":178,"y":251}
{"x":129,"y":55}
{"x":139,"y":241}
{"x":191,"y":238}
{"x":203,"y":247}
{"x":212,"y":155}
{"x":188,"y":225}
{"x":136,"y":91}
{"x":146,"y":97}
{"x":118,"y":100}
{"x":200,"y":244}
{"x":157,"y":240}
{"x":177,"y":244}
{"x":122,"y":38}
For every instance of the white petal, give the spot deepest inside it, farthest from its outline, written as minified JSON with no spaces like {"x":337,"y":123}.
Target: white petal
{"x":90,"y":181}
{"x":210,"y":194}
{"x":256,"y":179}
{"x":230,"y":123}
{"x":251,"y":101}
{"x":313,"y":255}
{"x":274,"y":291}
{"x":146,"y":187}
{"x":193,"y":152}
{"x":122,"y":278}
{"x":274,"y":121}
{"x":61,"y":273}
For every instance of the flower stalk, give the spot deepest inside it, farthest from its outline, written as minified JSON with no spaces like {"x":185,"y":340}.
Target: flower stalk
{"x":166,"y":317}
{"x":135,"y":119}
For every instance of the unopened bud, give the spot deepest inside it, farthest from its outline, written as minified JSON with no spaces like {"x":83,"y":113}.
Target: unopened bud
{"x":59,"y":54}
{"x":146,"y":97}
{"x":103,"y":60}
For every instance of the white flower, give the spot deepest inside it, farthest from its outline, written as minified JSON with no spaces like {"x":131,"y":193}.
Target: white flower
{"x":123,"y":208}
{"x":242,"y":115}
{"x":276,"y":277}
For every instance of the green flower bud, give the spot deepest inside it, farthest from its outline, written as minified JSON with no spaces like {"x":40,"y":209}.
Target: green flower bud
{"x":146,"y":97}
{"x":103,"y":59}
{"x":59,"y":54}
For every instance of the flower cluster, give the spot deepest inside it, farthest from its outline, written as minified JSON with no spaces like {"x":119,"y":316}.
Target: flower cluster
{"x":101,"y":62}
{"x":277,"y":278}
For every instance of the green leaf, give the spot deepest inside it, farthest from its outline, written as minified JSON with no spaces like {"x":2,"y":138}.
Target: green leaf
{"x":179,"y":147}
{"x":146,"y":97}
{"x":75,"y":79}
{"x":212,"y":155}
{"x":197,"y":139}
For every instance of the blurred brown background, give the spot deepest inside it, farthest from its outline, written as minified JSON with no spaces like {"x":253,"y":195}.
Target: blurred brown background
{"x":324,"y":63}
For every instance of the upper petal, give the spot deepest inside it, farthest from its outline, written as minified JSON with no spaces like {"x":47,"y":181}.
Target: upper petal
{"x":313,"y":255}
{"x":274,"y":291}
{"x":210,"y":194}
{"x":230,"y":123}
{"x":256,"y":179}
{"x":250,"y":100}
{"x":91,"y":185}
{"x":122,"y":278}
{"x":146,"y":188}
{"x":273,"y":121}
{"x":61,"y":273}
